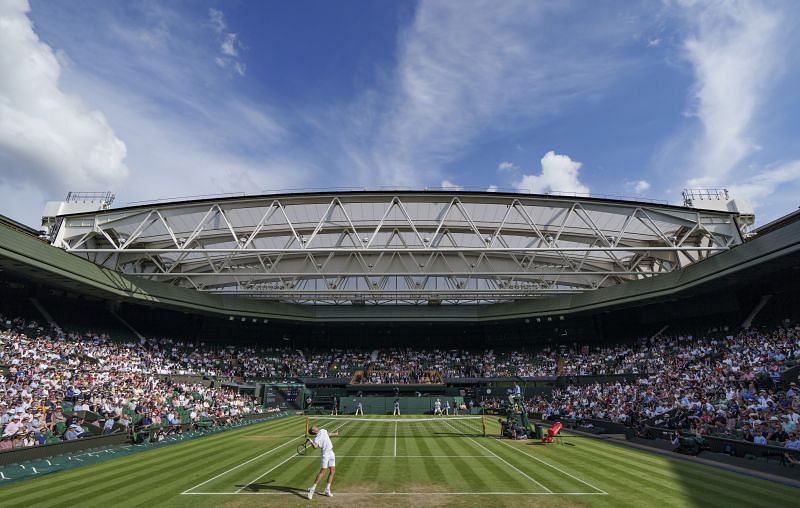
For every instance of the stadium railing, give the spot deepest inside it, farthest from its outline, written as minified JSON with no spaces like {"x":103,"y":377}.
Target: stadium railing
{"x":18,"y":455}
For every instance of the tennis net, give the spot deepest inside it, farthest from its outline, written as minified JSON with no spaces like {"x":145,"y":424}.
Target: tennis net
{"x":452,"y":426}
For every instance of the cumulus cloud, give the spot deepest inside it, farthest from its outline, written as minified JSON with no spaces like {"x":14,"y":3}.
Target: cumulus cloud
{"x":637,"y":186}
{"x":228,"y":43}
{"x":448,"y":185}
{"x":507,"y":166}
{"x":559,"y":174}
{"x":492,"y":188}
{"x":48,"y":137}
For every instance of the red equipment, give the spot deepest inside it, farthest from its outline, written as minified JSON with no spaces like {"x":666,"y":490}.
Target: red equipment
{"x":552,"y":432}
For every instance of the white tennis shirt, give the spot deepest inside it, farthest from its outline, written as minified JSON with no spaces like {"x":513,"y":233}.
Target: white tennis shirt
{"x":324,"y":442}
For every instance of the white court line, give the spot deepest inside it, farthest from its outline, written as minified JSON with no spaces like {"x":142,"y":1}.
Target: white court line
{"x":405,"y":456}
{"x":395,"y":439}
{"x":276,"y":467}
{"x":600,"y":491}
{"x":503,"y":460}
{"x":404,"y":493}
{"x":240,"y":465}
{"x":265,"y":474}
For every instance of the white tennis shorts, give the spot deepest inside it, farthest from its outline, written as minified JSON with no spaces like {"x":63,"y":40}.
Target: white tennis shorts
{"x":328,"y":460}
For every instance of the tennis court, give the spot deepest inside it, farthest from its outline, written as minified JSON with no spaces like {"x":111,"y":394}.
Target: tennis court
{"x":401,"y":456}
{"x":385,"y":462}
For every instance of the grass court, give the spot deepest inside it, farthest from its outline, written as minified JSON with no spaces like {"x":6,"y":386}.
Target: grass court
{"x":395,"y":463}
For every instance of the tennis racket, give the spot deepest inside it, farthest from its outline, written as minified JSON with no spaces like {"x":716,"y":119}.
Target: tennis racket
{"x":301,"y":448}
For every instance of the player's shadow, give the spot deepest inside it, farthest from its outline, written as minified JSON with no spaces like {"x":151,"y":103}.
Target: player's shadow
{"x":562,"y":443}
{"x":268,"y":485}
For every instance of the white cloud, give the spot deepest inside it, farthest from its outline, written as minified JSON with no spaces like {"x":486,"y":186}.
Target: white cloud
{"x":470,"y":68}
{"x":492,"y":188}
{"x":228,"y":43}
{"x":735,"y":50}
{"x":217,"y":18}
{"x":507,"y":166}
{"x":638,"y":187}
{"x":181,"y":138}
{"x":559,"y":174}
{"x":448,"y":185}
{"x":763,"y":183}
{"x":48,"y":137}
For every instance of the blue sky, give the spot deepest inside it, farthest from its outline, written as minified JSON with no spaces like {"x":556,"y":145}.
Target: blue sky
{"x":164,"y":99}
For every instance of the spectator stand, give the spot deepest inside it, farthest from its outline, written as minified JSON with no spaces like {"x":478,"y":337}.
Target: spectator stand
{"x":23,"y":463}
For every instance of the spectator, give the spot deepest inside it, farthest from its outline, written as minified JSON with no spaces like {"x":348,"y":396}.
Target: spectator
{"x":72,"y":433}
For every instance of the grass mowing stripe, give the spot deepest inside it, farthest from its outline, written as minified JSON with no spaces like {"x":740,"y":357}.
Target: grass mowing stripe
{"x":112,"y":478}
{"x":290,"y":457}
{"x":169,"y":478}
{"x":505,"y":461}
{"x":551,"y":466}
{"x":468,"y":467}
{"x":633,"y":478}
{"x":654,"y":477}
{"x":224,"y":456}
{"x":137,"y":459}
{"x":654,"y":483}
{"x":495,"y":472}
{"x":200,"y":451}
{"x":435,"y":474}
{"x":731,"y":479}
{"x":251,"y":460}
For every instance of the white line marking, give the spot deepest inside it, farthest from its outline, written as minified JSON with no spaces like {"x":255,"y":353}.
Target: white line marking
{"x":292,"y":456}
{"x":265,"y":474}
{"x":405,"y":456}
{"x":395,"y":439}
{"x":240,"y":465}
{"x":552,"y":466}
{"x":503,"y":460}
{"x":402,"y":493}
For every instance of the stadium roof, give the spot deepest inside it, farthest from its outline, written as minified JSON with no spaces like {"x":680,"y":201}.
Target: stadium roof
{"x":411,"y":247}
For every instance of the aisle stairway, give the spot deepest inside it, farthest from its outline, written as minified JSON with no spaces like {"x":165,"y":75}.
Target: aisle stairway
{"x":44,"y":312}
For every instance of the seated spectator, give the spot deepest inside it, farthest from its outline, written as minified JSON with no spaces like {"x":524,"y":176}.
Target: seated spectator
{"x":72,"y":433}
{"x":13,"y":427}
{"x":108,"y":426}
{"x":6,"y":442}
{"x":29,"y":440}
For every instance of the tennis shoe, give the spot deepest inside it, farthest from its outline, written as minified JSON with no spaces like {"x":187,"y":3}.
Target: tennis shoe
{"x":328,"y":493}
{"x":310,"y":493}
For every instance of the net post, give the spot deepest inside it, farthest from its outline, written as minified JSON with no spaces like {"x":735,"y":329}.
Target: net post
{"x":483,"y":424}
{"x":307,"y":422}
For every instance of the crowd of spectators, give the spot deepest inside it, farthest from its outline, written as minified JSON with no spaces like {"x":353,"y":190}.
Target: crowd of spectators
{"x":725,"y":386}
{"x":717,"y":384}
{"x":57,"y":385}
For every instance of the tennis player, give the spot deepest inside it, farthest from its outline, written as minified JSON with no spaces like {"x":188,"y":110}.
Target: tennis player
{"x":322,"y":440}
{"x":437,"y":407}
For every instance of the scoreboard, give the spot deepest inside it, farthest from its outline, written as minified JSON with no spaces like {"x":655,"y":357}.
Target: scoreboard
{"x":283,"y":395}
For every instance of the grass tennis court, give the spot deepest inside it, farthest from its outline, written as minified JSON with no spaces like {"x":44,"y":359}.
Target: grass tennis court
{"x":394,"y":464}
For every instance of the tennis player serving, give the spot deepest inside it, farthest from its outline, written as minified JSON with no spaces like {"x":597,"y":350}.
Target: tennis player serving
{"x":322,"y":440}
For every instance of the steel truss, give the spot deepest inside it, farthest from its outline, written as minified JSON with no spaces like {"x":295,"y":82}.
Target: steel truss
{"x":411,"y":247}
